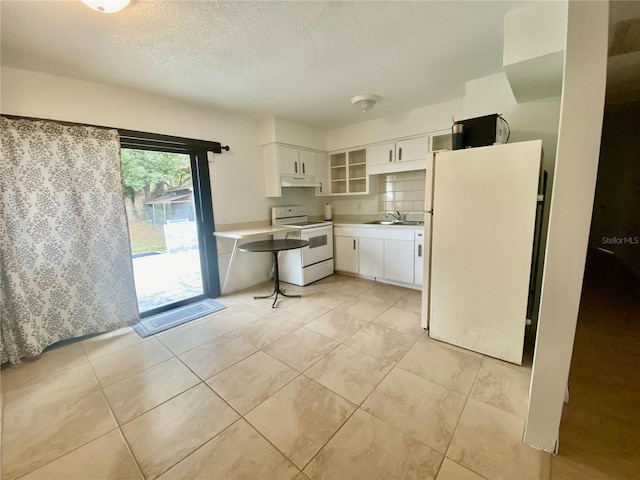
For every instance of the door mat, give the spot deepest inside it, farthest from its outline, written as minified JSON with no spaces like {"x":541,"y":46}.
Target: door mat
{"x":178,"y":316}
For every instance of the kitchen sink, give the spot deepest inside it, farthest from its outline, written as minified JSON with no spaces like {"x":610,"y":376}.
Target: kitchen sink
{"x":396,"y":222}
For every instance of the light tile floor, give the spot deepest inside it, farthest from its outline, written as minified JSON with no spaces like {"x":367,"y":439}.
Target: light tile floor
{"x":341,"y":384}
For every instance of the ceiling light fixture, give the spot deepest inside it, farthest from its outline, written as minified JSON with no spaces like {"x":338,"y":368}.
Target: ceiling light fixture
{"x":106,"y":6}
{"x":365,"y":102}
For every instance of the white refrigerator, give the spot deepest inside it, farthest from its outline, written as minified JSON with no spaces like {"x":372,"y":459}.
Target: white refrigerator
{"x":479,"y":234}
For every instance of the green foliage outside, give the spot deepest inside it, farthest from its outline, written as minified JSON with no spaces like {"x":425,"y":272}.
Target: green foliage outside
{"x":153,"y":172}
{"x":146,"y":176}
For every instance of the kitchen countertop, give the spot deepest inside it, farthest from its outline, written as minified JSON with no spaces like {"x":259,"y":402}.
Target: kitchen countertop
{"x":363,"y":221}
{"x":256,"y":231}
{"x":374,"y":225}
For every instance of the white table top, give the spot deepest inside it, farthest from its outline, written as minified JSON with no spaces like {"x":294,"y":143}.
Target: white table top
{"x":257,"y":231}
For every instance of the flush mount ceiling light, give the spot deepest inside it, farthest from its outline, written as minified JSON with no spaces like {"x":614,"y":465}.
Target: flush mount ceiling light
{"x":365,"y":102}
{"x":106,"y":6}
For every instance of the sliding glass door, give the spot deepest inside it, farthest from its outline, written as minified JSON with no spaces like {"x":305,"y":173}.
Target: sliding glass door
{"x":162,"y":227}
{"x":168,"y":203}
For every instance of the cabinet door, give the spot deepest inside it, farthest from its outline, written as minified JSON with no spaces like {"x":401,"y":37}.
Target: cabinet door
{"x":370,"y":254}
{"x":307,"y":163}
{"x":288,"y":161}
{"x":412,"y":149}
{"x":322,"y":173}
{"x":381,"y":154}
{"x":346,"y":254}
{"x":418,"y":263}
{"x":398,"y":260}
{"x":441,"y":140}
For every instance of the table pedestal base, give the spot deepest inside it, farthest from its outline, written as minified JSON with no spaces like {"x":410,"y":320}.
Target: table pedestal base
{"x":276,"y":284}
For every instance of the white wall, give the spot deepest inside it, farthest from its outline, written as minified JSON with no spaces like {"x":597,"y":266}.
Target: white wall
{"x":570,"y":217}
{"x":281,"y":130}
{"x":533,"y":53}
{"x":534,"y":31}
{"x":237,"y":177}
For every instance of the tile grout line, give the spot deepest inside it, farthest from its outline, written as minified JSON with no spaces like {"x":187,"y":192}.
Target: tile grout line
{"x":358,"y":406}
{"x":322,"y":386}
{"x":260,"y":433}
{"x":466,"y":400}
{"x":133,"y":374}
{"x":118,"y":426}
{"x":204,"y":382}
{"x":88,"y":362}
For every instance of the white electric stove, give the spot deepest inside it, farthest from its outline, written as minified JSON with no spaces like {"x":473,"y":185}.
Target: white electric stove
{"x":309,"y":264}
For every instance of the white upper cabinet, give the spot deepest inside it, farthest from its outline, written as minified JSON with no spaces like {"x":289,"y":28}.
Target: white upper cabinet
{"x":414,"y":149}
{"x":307,"y":162}
{"x":348,"y":172}
{"x":287,"y":166}
{"x":383,"y":154}
{"x":398,"y":156}
{"x":441,"y":140}
{"x":322,"y":173}
{"x":288,"y":160}
{"x":295,"y":161}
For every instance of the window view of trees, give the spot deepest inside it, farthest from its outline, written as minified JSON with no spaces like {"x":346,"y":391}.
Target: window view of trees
{"x":149,"y":175}
{"x":157,"y":189}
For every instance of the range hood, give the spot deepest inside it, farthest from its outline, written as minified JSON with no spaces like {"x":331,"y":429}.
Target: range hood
{"x":289,"y":181}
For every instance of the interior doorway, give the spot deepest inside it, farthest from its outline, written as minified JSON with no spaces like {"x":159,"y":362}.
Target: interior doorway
{"x":170,"y":216}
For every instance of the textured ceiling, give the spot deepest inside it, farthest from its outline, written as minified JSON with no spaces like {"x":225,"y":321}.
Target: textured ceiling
{"x":297,"y":60}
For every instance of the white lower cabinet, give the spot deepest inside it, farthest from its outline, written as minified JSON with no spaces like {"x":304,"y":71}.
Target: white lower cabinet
{"x":418,"y":262}
{"x":385,"y":253}
{"x":398,"y":260}
{"x":345,"y":254}
{"x":370,"y":257}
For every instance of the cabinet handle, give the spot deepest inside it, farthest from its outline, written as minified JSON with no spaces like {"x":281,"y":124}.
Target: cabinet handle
{"x":400,"y":154}
{"x":390,"y":155}
{"x":419,"y":250}
{"x":295,"y":167}
{"x":354,"y":243}
{"x":303,"y":170}
{"x":321,"y":191}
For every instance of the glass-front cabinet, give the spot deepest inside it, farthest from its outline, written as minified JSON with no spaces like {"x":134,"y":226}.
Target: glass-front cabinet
{"x":348,"y":172}
{"x":441,"y":141}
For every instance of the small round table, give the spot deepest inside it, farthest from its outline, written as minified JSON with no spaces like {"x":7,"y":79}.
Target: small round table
{"x":274,"y":246}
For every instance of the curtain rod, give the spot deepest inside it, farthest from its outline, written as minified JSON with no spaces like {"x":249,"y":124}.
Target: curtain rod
{"x":136,"y":135}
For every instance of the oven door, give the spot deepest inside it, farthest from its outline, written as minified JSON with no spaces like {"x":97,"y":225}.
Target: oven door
{"x":320,"y":244}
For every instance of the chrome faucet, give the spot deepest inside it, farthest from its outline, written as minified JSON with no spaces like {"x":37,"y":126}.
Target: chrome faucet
{"x":397,"y":215}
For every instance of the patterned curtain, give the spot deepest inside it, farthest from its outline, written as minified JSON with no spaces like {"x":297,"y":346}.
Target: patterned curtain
{"x":65,"y":258}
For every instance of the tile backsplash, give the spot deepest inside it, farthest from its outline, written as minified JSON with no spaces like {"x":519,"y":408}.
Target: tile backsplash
{"x":402,"y":192}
